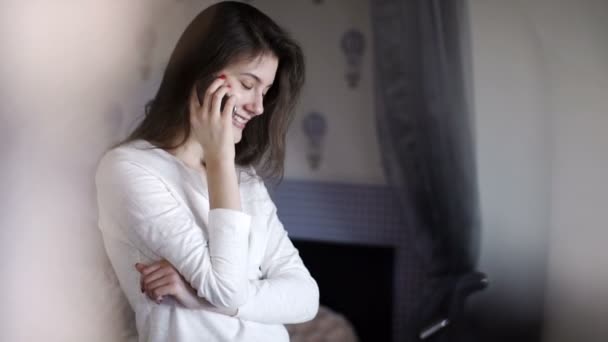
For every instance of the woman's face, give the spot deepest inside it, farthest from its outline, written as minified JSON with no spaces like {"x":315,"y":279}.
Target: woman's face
{"x":249,"y":81}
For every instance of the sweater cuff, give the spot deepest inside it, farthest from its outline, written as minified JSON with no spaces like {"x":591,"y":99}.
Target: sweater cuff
{"x":229,"y":235}
{"x":231,"y":221}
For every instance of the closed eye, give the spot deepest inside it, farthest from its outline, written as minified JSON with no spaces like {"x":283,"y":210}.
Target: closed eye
{"x":248,"y":87}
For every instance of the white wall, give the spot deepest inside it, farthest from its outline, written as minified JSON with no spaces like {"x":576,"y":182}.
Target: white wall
{"x":541,"y":104}
{"x":574,"y":38}
{"x":513,"y":146}
{"x":66,"y":68}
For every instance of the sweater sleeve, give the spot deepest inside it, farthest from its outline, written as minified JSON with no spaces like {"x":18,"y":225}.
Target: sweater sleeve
{"x":287,"y":293}
{"x":145,"y":208}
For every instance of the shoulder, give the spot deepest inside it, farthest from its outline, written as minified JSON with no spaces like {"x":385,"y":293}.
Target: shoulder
{"x":137,"y":174}
{"x":139,"y":169}
{"x":135,"y":152}
{"x":136,"y":156}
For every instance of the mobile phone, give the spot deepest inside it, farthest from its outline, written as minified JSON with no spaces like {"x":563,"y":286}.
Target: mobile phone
{"x":199,"y":92}
{"x":224,"y":100}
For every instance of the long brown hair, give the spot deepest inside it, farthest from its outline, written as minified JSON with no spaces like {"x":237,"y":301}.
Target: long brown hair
{"x":222,"y":34}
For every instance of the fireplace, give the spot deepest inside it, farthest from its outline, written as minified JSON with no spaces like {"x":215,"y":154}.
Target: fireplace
{"x":350,"y":235}
{"x":355,"y":281}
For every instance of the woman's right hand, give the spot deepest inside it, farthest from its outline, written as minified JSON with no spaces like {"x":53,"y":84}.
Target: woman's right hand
{"x":212,"y":127}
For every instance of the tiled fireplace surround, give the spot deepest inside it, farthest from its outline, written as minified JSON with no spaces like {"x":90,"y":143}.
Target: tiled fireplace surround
{"x":356,"y":214}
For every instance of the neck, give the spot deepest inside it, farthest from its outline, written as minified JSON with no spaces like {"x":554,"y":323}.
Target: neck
{"x":191,"y":153}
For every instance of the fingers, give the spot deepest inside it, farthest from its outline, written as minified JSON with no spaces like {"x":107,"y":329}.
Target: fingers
{"x":217,"y":98}
{"x":158,"y":293}
{"x":155,"y":292}
{"x":229,"y":109}
{"x":211,"y":100}
{"x":158,"y":279}
{"x":195,"y":100}
{"x":209,"y":93}
{"x":147,"y":269}
{"x":158,"y":274}
{"x":167,"y":278}
{"x":151,"y":272}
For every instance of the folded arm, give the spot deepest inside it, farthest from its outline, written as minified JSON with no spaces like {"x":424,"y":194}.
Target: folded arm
{"x":144,"y":206}
{"x":287,"y":293}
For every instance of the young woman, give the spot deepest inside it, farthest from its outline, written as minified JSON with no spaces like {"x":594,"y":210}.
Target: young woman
{"x":187,"y":222}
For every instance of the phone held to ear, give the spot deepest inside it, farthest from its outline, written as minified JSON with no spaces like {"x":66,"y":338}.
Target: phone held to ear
{"x":224,"y":99}
{"x":199,"y":92}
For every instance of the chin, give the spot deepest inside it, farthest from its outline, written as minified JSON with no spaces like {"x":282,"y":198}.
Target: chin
{"x":237,"y":135}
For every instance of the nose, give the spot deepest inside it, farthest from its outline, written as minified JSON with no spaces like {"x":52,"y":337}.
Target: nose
{"x":256,"y":106}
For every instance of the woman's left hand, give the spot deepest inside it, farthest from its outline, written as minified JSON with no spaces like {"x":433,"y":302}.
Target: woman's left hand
{"x":161,"y":279}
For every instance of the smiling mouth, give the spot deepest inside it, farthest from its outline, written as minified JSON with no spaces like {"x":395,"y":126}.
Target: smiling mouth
{"x":239,"y":120}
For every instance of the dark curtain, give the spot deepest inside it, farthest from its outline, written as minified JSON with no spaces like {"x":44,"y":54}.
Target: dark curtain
{"x":425,"y":132}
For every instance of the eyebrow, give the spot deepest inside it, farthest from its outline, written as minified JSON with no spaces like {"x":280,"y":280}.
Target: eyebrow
{"x":256,"y":78}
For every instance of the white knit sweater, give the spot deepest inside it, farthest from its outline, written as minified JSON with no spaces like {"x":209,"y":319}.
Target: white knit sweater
{"x":153,"y":207}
